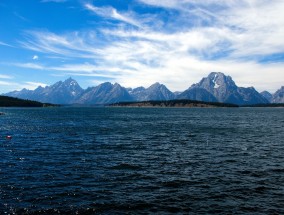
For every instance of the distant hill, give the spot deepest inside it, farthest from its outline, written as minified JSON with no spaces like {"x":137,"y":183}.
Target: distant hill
{"x":6,"y":101}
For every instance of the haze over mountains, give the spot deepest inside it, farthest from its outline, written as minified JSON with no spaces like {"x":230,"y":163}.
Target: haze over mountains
{"x":217,"y":87}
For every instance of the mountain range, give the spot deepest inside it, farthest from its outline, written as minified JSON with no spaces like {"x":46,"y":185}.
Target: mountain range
{"x":216,"y":87}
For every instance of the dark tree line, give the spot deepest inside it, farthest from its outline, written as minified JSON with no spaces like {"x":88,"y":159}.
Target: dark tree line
{"x":6,"y":101}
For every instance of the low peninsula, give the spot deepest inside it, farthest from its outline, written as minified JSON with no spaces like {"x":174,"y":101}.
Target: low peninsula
{"x":172,"y":103}
{"x":6,"y":101}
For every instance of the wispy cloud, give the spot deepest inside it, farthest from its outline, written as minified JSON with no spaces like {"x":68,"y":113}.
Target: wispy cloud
{"x":73,"y":44}
{"x":86,"y":69}
{"x":30,"y":66}
{"x":6,"y":77}
{"x":5,"y":83}
{"x":5,"y":44}
{"x":173,"y":4}
{"x":188,"y":4}
{"x":20,"y":17}
{"x":110,"y":12}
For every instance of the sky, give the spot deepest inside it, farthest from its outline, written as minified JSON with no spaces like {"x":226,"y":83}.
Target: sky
{"x":140,"y":42}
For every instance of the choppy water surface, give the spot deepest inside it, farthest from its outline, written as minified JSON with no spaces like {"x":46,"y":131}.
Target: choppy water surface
{"x":142,"y":160}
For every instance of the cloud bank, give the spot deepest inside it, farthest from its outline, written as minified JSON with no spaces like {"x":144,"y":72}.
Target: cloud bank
{"x":242,"y":38}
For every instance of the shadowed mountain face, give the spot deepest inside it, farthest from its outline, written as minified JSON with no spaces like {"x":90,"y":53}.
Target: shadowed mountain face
{"x":217,"y":87}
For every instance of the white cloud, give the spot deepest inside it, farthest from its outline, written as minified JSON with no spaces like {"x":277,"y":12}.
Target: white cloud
{"x":254,"y":27}
{"x":35,"y":57}
{"x":260,"y":25}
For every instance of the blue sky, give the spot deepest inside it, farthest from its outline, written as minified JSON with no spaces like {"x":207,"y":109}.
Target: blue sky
{"x":139,"y":42}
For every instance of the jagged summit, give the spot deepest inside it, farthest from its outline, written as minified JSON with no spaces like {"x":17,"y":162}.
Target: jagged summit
{"x":70,"y":81}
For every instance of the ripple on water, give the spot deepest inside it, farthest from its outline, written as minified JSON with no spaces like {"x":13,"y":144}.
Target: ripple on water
{"x":141,"y":161}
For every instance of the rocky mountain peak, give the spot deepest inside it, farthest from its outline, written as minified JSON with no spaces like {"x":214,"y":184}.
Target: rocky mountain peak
{"x":157,"y":84}
{"x":70,"y":82}
{"x":218,"y":79}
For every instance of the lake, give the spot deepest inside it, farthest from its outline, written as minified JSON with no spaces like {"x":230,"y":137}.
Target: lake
{"x":142,"y":160}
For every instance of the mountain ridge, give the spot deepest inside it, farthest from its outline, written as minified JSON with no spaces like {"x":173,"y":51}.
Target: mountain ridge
{"x":216,"y":87}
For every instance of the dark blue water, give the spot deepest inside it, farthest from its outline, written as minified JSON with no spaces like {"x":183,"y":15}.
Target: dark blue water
{"x":142,"y":160}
